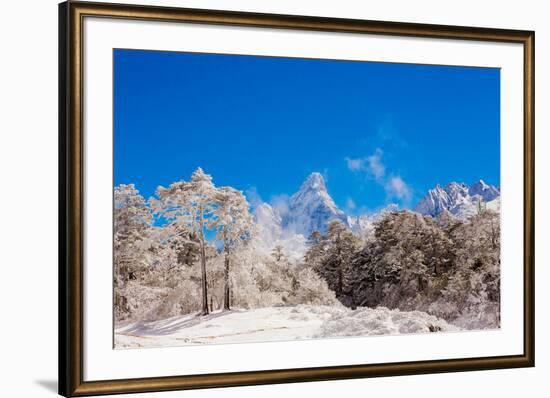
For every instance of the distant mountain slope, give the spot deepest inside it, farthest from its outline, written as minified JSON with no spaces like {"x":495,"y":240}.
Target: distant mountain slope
{"x":311,"y":208}
{"x":459,"y":199}
{"x":487,"y":192}
{"x":271,"y":234}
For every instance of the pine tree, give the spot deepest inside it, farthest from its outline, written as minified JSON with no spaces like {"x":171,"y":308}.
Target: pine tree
{"x":474,"y":283}
{"x":191,"y":205}
{"x":335,"y":266}
{"x":132,"y":218}
{"x":315,"y":251}
{"x":234,"y":226}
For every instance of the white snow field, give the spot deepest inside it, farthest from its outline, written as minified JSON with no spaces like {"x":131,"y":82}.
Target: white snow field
{"x":276,"y":324}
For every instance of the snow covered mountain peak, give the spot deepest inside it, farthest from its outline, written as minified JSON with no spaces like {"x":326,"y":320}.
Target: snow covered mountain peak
{"x":459,"y":199}
{"x":486,"y":191}
{"x":313,"y":189}
{"x":314,"y":181}
{"x":289,"y":224}
{"x":481,"y":183}
{"x":311,"y":208}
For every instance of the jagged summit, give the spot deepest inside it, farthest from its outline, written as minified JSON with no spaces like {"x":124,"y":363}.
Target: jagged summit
{"x":314,"y":181}
{"x":313,"y":189}
{"x":459,"y":199}
{"x":486,"y":191}
{"x":311,"y":208}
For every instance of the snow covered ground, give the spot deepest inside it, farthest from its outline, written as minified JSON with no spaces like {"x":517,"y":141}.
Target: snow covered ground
{"x":275,"y":323}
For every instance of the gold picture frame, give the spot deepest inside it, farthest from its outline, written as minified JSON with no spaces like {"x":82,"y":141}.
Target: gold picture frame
{"x":71,"y":239}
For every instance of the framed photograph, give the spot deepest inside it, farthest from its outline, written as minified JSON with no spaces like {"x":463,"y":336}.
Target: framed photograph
{"x":251,"y":198}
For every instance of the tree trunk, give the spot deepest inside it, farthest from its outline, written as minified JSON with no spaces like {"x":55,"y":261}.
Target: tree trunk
{"x":203,"y":269}
{"x":340,"y":266}
{"x":123,"y":304}
{"x":226,"y":296}
{"x":203,"y":282}
{"x":226,"y":303}
{"x":340,"y":286}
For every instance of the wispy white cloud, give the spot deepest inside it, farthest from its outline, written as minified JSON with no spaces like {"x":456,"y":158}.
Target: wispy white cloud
{"x":355,"y":164}
{"x":396,"y":187}
{"x":279,"y":203}
{"x":373,"y":167}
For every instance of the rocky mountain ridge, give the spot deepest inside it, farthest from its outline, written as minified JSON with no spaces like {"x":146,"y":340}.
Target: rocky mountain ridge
{"x":311,"y":208}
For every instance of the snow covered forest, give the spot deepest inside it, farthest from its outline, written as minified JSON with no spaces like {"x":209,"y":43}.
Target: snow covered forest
{"x":198,"y":263}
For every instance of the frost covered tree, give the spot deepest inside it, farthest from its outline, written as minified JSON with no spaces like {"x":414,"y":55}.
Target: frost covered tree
{"x":310,"y":288}
{"x":132,"y":219}
{"x":315,"y":249}
{"x":278,"y":253}
{"x":184,"y":243}
{"x":191,"y":205}
{"x":400,"y":265}
{"x":331,"y":257}
{"x":443,"y":266}
{"x":472,"y":295}
{"x":234,"y":227}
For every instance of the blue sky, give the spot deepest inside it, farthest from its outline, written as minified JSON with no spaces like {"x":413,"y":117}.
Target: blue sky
{"x":380,"y":133}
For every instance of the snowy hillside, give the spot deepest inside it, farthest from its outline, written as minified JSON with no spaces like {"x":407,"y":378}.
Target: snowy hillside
{"x":276,"y":323}
{"x":459,"y":199}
